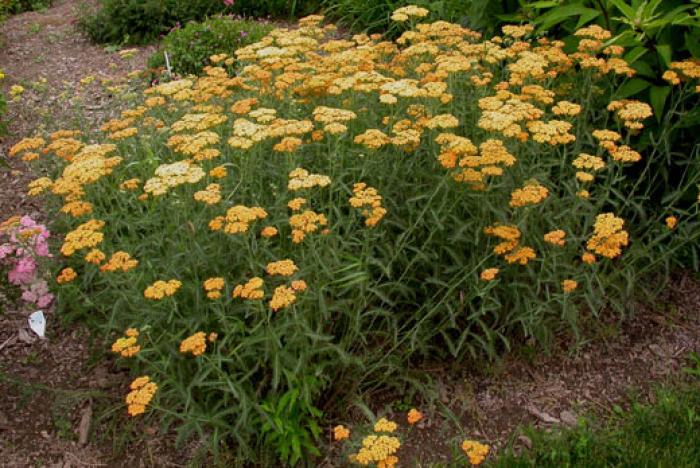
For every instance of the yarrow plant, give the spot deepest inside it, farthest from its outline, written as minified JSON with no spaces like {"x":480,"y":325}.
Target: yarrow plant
{"x":344,"y":208}
{"x":23,"y":245}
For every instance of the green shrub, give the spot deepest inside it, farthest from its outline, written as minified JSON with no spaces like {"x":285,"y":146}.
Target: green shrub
{"x":189,"y":48}
{"x":656,"y":34}
{"x":288,"y":9}
{"x":492,"y":213}
{"x":142,"y":21}
{"x":374,"y":15}
{"x":12,"y":7}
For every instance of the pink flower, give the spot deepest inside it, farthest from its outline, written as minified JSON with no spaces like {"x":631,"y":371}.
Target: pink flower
{"x":5,"y":250}
{"x":228,"y":2}
{"x":38,"y":293}
{"x":23,"y":272}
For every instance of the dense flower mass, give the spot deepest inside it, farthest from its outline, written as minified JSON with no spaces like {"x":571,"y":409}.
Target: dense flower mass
{"x":430,"y":190}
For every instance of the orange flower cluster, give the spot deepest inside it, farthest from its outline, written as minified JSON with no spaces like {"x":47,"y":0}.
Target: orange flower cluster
{"x":195,"y":344}
{"x":127,"y":346}
{"x":142,"y":392}
{"x":161,"y":289}
{"x":119,"y":261}
{"x":608,"y":236}
{"x":369,"y":197}
{"x":238,"y":219}
{"x":213,"y":287}
{"x":66,"y":276}
{"x":305,"y":223}
{"x":252,"y":290}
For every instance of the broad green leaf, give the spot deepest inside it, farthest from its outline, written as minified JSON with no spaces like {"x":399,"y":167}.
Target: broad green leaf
{"x":587,"y":18}
{"x":559,"y":15}
{"x":644,"y":69}
{"x":664,"y":51}
{"x":692,"y":42}
{"x":544,"y":4}
{"x":632,"y":87}
{"x":624,"y":8}
{"x":657,"y":96}
{"x":635,"y":54}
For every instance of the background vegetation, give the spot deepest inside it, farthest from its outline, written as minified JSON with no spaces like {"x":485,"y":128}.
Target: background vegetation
{"x":190,"y":47}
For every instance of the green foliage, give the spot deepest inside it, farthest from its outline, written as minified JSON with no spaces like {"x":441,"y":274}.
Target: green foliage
{"x":189,"y":48}
{"x":654,"y":34}
{"x":288,"y":9}
{"x":374,"y":15}
{"x":12,"y":7}
{"x":665,"y":433}
{"x":142,"y":21}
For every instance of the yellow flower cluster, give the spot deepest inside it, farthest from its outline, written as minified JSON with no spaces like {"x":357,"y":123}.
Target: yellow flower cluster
{"x":569,"y":285}
{"x":281,"y":268}
{"x":378,"y":449}
{"x":161,"y":289}
{"x":305,"y":223}
{"x":364,"y":196}
{"x":196,"y":145}
{"x":142,"y":392}
{"x":282,"y":297}
{"x":238,"y":219}
{"x":86,"y":235}
{"x":340,"y":432}
{"x":631,"y":112}
{"x":27,"y":144}
{"x":489,"y":274}
{"x":130,"y":184}
{"x":301,"y":179}
{"x":508,"y":233}
{"x":39,"y":186}
{"x":168,"y":176}
{"x":268,"y":231}
{"x":127,"y":345}
{"x":608,"y":236}
{"x":384,"y":425}
{"x":566,"y":108}
{"x":475,"y":451}
{"x":197,"y":122}
{"x":556,"y":237}
{"x":195,"y":344}
{"x":210,"y":195}
{"x":404,"y":13}
{"x":554,"y":132}
{"x":531,"y":194}
{"x":521,"y":255}
{"x":95,"y":256}
{"x":413,"y":416}
{"x":66,"y":276}
{"x":213,"y":287}
{"x":219,"y":172}
{"x":252,"y":290}
{"x":77,"y":208}
{"x":119,"y":261}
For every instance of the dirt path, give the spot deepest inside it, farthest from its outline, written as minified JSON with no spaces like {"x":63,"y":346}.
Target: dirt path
{"x":56,"y":391}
